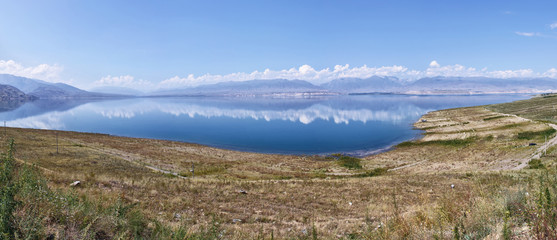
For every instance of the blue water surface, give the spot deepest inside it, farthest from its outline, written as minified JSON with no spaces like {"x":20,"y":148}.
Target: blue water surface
{"x":356,"y":125}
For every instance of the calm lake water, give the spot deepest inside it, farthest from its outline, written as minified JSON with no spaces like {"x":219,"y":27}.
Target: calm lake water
{"x":350,"y":124}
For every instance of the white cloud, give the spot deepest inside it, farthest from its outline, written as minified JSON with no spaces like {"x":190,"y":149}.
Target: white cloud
{"x":318,"y":76}
{"x":45,"y":72}
{"x":527,"y":34}
{"x":458,"y":70}
{"x":434,"y":64}
{"x":551,"y":73}
{"x":304,"y":72}
{"x":124,"y":81}
{"x":553,"y":25}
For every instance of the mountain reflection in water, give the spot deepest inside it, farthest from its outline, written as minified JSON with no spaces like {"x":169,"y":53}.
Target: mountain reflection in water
{"x":349,"y":124}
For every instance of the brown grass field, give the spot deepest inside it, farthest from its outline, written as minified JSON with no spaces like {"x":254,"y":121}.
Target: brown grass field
{"x":484,"y":152}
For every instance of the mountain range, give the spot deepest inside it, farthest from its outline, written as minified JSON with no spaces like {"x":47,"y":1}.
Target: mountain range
{"x":375,"y":84}
{"x":12,"y":87}
{"x":44,"y":90}
{"x":245,"y":88}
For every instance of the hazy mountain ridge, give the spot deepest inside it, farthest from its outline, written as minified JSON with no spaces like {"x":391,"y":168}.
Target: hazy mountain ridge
{"x":8,"y":92}
{"x":46,"y":90}
{"x":367,"y":85}
{"x":118,"y":90}
{"x":246,"y":88}
{"x":480,"y":85}
{"x":375,"y":84}
{"x":288,"y":88}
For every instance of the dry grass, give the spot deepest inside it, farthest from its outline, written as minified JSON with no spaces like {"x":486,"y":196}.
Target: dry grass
{"x":542,"y":108}
{"x":461,"y":140}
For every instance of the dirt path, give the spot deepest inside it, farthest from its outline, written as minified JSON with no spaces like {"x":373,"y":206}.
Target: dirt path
{"x":538,"y":153}
{"x":136,"y":160}
{"x":406,"y":166}
{"x":129,"y":157}
{"x":507,"y":164}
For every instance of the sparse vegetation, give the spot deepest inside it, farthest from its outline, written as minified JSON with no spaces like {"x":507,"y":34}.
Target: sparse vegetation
{"x":29,"y":209}
{"x":450,"y":142}
{"x":373,"y":173}
{"x":348,"y":161}
{"x":494,"y":117}
{"x":538,"y":108}
{"x":538,"y":134}
{"x":536,"y":164}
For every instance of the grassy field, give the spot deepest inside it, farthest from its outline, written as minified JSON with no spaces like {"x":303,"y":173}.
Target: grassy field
{"x":474,"y":174}
{"x":542,"y":108}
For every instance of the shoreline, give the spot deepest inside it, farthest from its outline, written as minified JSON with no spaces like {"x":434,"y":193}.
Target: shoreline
{"x":363,"y":153}
{"x":356,"y":153}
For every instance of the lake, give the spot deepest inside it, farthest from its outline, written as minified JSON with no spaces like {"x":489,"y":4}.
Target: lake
{"x":357,"y":125}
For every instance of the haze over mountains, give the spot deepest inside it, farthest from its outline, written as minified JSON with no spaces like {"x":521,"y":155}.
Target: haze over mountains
{"x":32,"y":88}
{"x":375,"y":84}
{"x":252,"y":87}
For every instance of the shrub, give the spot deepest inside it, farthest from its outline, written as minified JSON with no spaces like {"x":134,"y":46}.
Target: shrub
{"x":494,"y":117}
{"x":543,"y":212}
{"x":536,"y":164}
{"x":348,"y":162}
{"x":531,"y":135}
{"x":450,"y":143}
{"x":373,"y":173}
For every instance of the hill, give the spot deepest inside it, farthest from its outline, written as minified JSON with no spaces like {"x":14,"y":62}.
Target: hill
{"x":46,"y":90}
{"x":8,"y":93}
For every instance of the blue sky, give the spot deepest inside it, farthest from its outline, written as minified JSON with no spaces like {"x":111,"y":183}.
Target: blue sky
{"x":185,"y":43}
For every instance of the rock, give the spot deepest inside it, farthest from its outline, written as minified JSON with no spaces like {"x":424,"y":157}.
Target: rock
{"x":75,"y":184}
{"x":235,"y":220}
{"x":177,"y":216}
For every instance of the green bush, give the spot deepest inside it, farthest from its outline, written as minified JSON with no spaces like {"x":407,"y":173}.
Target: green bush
{"x":531,"y":135}
{"x":373,"y":173}
{"x":536,"y":164}
{"x":347,"y":161}
{"x":494,"y":117}
{"x":450,"y":143}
